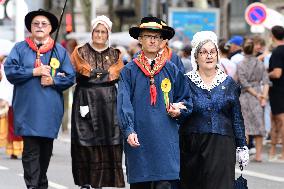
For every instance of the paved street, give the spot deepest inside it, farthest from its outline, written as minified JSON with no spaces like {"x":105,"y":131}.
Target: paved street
{"x":259,"y":175}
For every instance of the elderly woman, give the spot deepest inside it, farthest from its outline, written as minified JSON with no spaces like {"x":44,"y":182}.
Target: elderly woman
{"x":96,"y":143}
{"x":210,"y":135}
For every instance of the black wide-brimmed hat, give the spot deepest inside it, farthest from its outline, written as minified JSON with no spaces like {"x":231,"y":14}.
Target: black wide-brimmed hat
{"x":51,"y":17}
{"x":152,"y":23}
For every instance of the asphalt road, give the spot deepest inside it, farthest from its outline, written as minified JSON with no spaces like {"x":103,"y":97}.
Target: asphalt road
{"x":259,"y":175}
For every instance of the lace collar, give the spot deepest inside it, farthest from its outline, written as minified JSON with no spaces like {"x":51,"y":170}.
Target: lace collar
{"x":196,"y":79}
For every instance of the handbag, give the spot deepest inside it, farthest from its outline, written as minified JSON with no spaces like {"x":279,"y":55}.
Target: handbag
{"x":240,"y":182}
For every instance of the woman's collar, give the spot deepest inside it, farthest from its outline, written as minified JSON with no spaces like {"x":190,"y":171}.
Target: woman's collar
{"x":197,"y":80}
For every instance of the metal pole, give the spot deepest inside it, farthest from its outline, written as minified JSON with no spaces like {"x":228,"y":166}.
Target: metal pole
{"x":56,"y":36}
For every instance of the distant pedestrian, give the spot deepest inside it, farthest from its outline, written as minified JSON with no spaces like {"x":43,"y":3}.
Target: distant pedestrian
{"x":254,"y":81}
{"x":229,"y":67}
{"x":235,"y":44}
{"x":185,"y":58}
{"x":37,"y":98}
{"x":276,"y":91}
{"x":172,"y":55}
{"x":259,"y":45}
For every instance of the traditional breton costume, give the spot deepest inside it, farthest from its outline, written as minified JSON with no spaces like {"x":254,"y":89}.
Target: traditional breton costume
{"x":38,"y":110}
{"x":209,"y":136}
{"x":96,"y":142}
{"x":146,"y":87}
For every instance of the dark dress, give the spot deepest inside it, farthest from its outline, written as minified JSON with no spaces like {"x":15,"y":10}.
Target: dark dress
{"x":276,"y":91}
{"x":96,"y":147}
{"x":210,"y":135}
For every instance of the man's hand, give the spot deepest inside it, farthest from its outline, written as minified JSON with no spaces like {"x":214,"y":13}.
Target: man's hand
{"x":133,"y":140}
{"x":42,"y":70}
{"x":174,"y":109}
{"x":46,"y":81}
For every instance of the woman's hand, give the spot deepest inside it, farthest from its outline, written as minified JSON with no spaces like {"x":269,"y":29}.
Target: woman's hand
{"x":262,"y":99}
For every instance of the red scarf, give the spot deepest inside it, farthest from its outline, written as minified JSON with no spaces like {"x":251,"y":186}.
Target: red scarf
{"x":143,"y":64}
{"x":43,"y":49}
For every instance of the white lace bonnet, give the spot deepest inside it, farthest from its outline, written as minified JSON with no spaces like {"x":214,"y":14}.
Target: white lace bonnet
{"x":198,"y":38}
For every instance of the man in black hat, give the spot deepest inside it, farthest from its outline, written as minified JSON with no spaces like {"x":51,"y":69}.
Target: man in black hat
{"x":151,"y":95}
{"x":38,"y":87}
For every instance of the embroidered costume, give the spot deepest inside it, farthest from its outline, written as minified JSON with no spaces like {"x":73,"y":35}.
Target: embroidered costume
{"x":28,"y":91}
{"x":143,"y":96}
{"x":37,"y":98}
{"x":96,"y":141}
{"x":209,"y":136}
{"x":98,"y":129}
{"x":158,"y":156}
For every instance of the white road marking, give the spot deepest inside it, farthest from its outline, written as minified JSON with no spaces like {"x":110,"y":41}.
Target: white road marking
{"x":56,"y":186}
{"x":3,"y":168}
{"x":51,"y":184}
{"x":260,"y":175}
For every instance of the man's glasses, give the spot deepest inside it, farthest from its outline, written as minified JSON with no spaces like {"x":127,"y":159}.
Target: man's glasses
{"x":205,"y":53}
{"x":42,"y":24}
{"x":152,"y":37}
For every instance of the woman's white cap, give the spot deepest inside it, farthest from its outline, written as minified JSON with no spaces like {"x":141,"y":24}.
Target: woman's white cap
{"x":198,"y":38}
{"x":102,"y":20}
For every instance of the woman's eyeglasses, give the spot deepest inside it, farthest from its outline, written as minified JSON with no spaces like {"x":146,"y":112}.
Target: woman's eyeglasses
{"x":205,"y":53}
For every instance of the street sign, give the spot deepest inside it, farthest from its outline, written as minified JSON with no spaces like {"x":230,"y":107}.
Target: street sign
{"x":255,"y":14}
